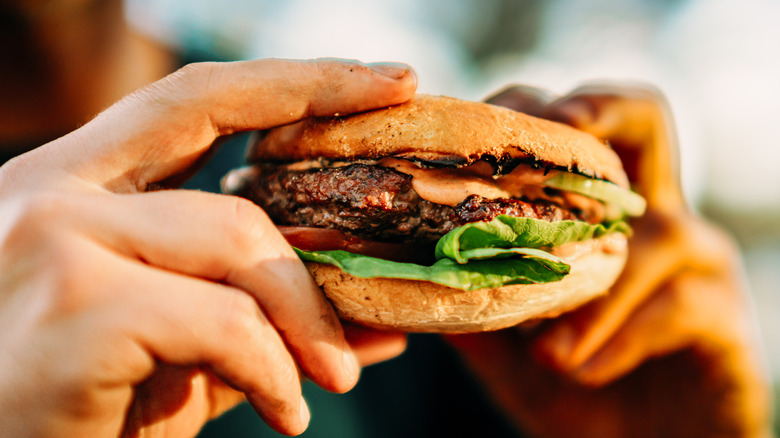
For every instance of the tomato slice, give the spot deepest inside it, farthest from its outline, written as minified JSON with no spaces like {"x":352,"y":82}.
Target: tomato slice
{"x":325,"y":239}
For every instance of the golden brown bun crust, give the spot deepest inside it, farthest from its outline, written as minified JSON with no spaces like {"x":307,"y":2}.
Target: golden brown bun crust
{"x":418,"y":306}
{"x":436,"y":128}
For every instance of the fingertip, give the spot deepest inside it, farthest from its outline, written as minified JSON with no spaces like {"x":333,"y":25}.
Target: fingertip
{"x":389,"y":83}
{"x":305,"y":415}
{"x":372,"y":346}
{"x":284,"y":416}
{"x":338,"y":376}
{"x":409,"y":82}
{"x":351,"y":372}
{"x":332,"y":365}
{"x":408,"y":79}
{"x":392,"y":70}
{"x":404,"y":79}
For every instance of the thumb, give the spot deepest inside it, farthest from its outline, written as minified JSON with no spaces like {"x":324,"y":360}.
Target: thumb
{"x":162,"y":129}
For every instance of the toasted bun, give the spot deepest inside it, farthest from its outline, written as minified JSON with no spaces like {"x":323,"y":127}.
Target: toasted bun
{"x":418,"y":306}
{"x":442,"y":129}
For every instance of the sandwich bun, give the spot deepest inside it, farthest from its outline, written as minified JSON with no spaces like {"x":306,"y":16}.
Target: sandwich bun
{"x":445,"y":130}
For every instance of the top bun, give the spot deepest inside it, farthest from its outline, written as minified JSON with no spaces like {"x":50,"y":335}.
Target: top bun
{"x":442,"y":129}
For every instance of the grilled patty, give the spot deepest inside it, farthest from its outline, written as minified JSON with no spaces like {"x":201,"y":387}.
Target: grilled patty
{"x":373,"y":202}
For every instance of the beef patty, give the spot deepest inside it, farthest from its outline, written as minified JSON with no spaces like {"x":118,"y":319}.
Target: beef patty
{"x":374,"y":202}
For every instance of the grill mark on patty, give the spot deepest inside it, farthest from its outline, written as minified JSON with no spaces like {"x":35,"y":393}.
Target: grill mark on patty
{"x":374,"y":202}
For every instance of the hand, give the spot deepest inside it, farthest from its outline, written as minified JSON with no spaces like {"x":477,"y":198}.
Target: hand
{"x":135,"y":313}
{"x":671,"y":351}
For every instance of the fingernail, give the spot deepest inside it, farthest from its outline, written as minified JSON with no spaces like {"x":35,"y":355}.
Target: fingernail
{"x":351,"y":365}
{"x":393,"y":70}
{"x":305,"y":413}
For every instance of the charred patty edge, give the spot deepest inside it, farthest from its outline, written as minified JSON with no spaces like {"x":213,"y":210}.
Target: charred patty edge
{"x":373,"y":202}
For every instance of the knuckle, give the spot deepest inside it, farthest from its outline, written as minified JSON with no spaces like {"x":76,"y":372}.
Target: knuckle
{"x":194,"y":77}
{"x":41,"y":208}
{"x":70,"y":278}
{"x":181,"y":89}
{"x":197,"y":70}
{"x":45,"y":256}
{"x":27,"y":218}
{"x":13,"y":171}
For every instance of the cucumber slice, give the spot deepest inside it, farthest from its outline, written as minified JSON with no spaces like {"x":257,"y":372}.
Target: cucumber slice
{"x":631,"y":203}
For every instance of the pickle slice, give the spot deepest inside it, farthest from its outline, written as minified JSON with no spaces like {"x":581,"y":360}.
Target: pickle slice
{"x":631,"y":203}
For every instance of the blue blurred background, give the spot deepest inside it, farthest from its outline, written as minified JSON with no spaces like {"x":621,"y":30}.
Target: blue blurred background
{"x":717,"y":61}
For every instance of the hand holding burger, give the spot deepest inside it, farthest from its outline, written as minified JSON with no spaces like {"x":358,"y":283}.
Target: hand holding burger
{"x":672,"y":349}
{"x":127,"y":312}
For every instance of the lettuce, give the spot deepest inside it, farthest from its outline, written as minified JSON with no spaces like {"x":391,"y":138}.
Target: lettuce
{"x":480,"y":255}
{"x":476,"y":274}
{"x":514,"y":232}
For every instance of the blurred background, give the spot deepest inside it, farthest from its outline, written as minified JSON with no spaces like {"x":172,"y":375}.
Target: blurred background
{"x":717,"y":61}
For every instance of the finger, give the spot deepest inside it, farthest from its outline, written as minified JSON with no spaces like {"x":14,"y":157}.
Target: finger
{"x":523,"y":98}
{"x":208,"y":397}
{"x":637,"y":123}
{"x":661,"y":246}
{"x":162,"y":129}
{"x":619,"y":112}
{"x":180,"y":320}
{"x":655,"y":254}
{"x":665,"y":323}
{"x":230,"y":240}
{"x":221,"y":396}
{"x":691,"y":310}
{"x":171,"y":400}
{"x":373,"y":346}
{"x":705,"y":310}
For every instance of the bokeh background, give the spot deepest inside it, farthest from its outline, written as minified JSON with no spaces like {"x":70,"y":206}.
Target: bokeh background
{"x":717,"y":61}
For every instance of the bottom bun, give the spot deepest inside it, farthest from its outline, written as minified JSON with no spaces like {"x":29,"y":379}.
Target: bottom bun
{"x":419,"y":306}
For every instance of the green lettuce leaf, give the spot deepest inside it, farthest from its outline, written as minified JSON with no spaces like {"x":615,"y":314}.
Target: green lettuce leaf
{"x":481,"y":254}
{"x":476,"y":274}
{"x":514,"y":232}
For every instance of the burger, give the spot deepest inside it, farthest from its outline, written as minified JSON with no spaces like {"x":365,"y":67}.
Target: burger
{"x":443,"y":215}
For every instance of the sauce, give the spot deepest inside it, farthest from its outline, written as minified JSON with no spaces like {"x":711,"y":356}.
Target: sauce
{"x":451,"y":186}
